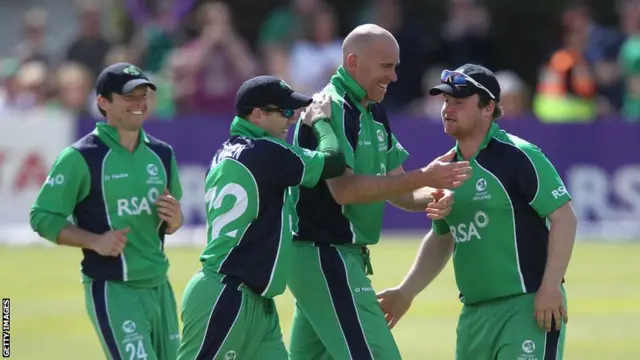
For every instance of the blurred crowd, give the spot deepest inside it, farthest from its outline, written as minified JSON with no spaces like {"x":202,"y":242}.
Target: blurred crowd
{"x":594,"y":72}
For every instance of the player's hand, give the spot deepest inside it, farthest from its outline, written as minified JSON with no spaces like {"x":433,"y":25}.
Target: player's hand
{"x":444,"y":174}
{"x":111,"y":243}
{"x":169,"y":210}
{"x":394,"y":303}
{"x":441,"y":205}
{"x":320,"y":108}
{"x":549,"y":307}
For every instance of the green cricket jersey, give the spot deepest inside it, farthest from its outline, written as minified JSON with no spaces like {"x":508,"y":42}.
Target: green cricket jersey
{"x":370,"y":148}
{"x":100,"y":186}
{"x":499,"y":220}
{"x":250,"y":211}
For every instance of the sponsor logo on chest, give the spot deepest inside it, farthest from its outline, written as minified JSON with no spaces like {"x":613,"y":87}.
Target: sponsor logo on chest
{"x":482,"y":192}
{"x":153,"y":171}
{"x":382,"y":144}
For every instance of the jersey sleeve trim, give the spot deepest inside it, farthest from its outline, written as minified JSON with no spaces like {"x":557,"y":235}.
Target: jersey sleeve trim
{"x":294,"y":153}
{"x":532,"y":165}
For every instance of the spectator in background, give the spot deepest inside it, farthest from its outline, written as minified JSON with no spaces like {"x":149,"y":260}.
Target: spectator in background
{"x":427,"y":105}
{"x":9,"y":87}
{"x":72,"y":85}
{"x":276,"y":62}
{"x":513,"y":95}
{"x":316,"y":56}
{"x":36,"y":45}
{"x":465,"y":34}
{"x":34,"y":86}
{"x":389,"y":14}
{"x":213,"y":66}
{"x":600,"y":52}
{"x":566,"y":90}
{"x":90,"y":47}
{"x":154,"y":39}
{"x":630,"y":61}
{"x":283,"y":25}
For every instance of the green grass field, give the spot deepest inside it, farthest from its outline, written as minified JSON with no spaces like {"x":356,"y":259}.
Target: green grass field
{"x":49,"y":319}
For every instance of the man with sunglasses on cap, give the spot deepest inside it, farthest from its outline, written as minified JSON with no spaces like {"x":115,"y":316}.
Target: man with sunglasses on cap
{"x":228,"y":309}
{"x":509,"y":264}
{"x":120,"y":187}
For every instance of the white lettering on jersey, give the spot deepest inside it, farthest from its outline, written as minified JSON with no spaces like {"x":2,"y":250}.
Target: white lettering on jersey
{"x":138,"y":205}
{"x":467,"y":232}
{"x":559,"y":192}
{"x":53,"y":180}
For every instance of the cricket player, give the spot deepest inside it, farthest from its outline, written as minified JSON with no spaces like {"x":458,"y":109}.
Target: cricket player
{"x":511,"y":231}
{"x":228,"y":309}
{"x":120,"y":188}
{"x":337,"y":315}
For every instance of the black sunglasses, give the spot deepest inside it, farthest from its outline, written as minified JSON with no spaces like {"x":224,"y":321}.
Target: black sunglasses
{"x":284,"y":112}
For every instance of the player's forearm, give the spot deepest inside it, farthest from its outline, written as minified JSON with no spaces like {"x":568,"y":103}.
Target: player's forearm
{"x":416,"y":200}
{"x":352,"y":188}
{"x":433,"y":255}
{"x":46,"y":223}
{"x":562,"y":236}
{"x":76,"y":237}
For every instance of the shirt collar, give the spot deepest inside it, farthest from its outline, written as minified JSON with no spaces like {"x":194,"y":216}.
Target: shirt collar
{"x":343,"y":80}
{"x":242,"y":127}
{"x":110,"y":133}
{"x":493,"y":130}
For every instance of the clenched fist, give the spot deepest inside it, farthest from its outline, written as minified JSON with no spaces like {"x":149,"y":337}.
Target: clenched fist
{"x":111,"y":243}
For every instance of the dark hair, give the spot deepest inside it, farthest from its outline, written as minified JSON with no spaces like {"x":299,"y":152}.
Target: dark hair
{"x":483,"y":102}
{"x":109,"y":97}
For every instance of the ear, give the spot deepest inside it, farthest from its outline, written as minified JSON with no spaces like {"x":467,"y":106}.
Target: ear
{"x":255,"y":116}
{"x":352,"y":61}
{"x":103,"y":103}
{"x":489,"y":108}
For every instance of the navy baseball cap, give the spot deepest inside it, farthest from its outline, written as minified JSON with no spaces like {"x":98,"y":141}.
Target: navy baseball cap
{"x":121,"y":78}
{"x":467,"y":80}
{"x":261,"y":91}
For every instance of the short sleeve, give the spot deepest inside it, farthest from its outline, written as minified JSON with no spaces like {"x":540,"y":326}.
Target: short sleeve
{"x":67,"y":183}
{"x":312,"y":165}
{"x":540,"y":183}
{"x":440,"y":227}
{"x":292,"y":165}
{"x":396,"y":154}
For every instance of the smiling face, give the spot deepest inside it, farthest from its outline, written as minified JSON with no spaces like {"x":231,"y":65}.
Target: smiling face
{"x":273,"y":121}
{"x":127,"y":111}
{"x":375,"y":67}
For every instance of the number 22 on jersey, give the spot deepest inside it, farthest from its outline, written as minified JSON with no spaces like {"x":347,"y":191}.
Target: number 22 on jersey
{"x":234,"y":208}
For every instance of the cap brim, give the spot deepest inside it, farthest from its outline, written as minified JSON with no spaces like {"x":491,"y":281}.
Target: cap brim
{"x":132,"y":84}
{"x":296,"y":101}
{"x":460,"y":92}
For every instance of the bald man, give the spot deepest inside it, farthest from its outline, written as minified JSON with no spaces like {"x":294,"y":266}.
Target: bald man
{"x":337,"y":315}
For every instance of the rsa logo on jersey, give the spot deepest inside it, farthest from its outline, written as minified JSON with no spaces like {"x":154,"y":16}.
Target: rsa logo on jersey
{"x":29,"y":144}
